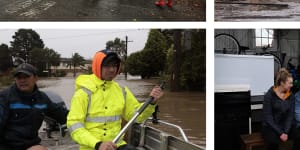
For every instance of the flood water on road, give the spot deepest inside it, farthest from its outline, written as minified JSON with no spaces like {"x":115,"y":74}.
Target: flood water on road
{"x":186,"y":109}
{"x":100,"y":10}
{"x":257,"y":10}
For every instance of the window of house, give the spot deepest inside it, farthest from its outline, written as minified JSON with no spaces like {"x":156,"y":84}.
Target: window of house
{"x":264,"y":37}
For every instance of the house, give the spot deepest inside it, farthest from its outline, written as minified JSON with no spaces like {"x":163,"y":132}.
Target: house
{"x":66,"y":66}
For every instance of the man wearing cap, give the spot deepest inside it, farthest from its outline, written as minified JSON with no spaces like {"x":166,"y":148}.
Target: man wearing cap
{"x":22,"y":110}
{"x":99,"y":104}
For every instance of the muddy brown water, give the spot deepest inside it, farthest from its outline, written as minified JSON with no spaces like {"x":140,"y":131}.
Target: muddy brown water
{"x":186,"y":109}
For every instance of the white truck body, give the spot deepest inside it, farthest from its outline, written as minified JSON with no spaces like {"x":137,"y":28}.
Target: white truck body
{"x":238,"y":72}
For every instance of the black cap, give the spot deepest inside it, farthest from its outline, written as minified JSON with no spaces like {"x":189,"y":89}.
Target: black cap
{"x":111,"y":58}
{"x":26,"y":69}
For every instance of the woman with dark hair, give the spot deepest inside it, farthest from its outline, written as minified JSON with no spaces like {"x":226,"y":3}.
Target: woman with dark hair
{"x":278,"y":110}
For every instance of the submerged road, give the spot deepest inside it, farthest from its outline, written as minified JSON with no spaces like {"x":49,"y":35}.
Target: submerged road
{"x":257,"y":10}
{"x":100,"y":10}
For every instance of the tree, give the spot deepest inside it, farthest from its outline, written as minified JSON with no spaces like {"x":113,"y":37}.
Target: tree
{"x":52,"y":59}
{"x":156,"y":41}
{"x":117,"y":46}
{"x":152,"y":59}
{"x":25,"y":40}
{"x":134,"y":64}
{"x":39,"y":60}
{"x":77,"y":60}
{"x":53,"y":56}
{"x":177,"y":60}
{"x":154,"y":53}
{"x":186,"y":59}
{"x":43,"y":59}
{"x":193,"y":68}
{"x":168,"y":34}
{"x":5,"y":58}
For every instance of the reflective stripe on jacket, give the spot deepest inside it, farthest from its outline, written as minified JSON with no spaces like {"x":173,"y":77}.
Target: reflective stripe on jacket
{"x":101,"y":121}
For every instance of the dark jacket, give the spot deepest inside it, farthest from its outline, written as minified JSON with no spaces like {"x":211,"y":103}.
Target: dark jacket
{"x":297,"y":109}
{"x":21,"y":116}
{"x":278,"y":114}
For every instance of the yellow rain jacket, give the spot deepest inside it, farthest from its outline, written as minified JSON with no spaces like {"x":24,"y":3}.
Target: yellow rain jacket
{"x":101,"y":119}
{"x":97,"y":109}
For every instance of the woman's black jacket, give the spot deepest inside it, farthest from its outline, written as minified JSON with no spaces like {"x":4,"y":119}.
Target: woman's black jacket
{"x":278,"y":114}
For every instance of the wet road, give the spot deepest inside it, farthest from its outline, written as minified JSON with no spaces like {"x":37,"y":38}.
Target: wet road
{"x":257,"y":10}
{"x":185,"y":109}
{"x":100,"y":10}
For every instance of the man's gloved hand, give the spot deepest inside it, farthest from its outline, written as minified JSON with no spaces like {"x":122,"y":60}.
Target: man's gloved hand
{"x":107,"y":146}
{"x":156,"y":93}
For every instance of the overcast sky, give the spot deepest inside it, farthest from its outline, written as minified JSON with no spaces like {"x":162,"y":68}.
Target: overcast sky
{"x":83,"y":41}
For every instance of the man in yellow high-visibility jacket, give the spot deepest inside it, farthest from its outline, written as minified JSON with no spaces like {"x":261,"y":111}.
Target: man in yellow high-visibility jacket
{"x":99,"y":104}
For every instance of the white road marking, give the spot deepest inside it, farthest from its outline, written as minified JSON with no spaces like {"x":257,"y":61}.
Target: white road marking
{"x":23,"y":7}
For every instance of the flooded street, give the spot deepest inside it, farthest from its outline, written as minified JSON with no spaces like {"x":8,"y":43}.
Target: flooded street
{"x":62,"y":86}
{"x":186,"y":109}
{"x":99,"y":10}
{"x":257,"y":10}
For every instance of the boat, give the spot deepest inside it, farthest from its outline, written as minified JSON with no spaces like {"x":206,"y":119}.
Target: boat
{"x":146,"y":137}
{"x":143,"y":136}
